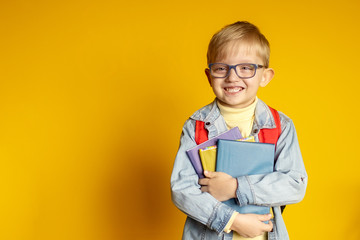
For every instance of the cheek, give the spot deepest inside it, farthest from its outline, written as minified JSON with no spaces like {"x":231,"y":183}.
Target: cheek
{"x":216,"y":84}
{"x":254,"y":84}
{"x":217,"y":88}
{"x":252,"y":88}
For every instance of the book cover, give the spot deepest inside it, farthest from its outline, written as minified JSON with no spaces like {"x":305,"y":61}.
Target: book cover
{"x":208,"y":158}
{"x":208,"y":155}
{"x":239,"y":158}
{"x":193,"y":153}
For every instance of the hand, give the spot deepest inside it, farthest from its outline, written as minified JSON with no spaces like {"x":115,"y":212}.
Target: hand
{"x":251,"y":225}
{"x":220,"y":185}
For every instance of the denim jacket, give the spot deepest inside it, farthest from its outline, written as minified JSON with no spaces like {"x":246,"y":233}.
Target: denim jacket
{"x":207,"y":216}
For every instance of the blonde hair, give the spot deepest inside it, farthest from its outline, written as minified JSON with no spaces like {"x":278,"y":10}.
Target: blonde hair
{"x":238,"y":33}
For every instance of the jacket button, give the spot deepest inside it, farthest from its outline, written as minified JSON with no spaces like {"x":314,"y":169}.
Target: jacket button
{"x":256,"y":131}
{"x":207,"y":123}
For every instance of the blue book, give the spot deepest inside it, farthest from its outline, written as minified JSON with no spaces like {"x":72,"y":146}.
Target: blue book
{"x":245,"y":158}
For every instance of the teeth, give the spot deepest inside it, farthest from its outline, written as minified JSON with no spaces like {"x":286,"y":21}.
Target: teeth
{"x":232,"y":90}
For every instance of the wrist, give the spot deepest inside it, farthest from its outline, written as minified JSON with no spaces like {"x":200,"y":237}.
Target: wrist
{"x":237,"y":218}
{"x":228,"y":226}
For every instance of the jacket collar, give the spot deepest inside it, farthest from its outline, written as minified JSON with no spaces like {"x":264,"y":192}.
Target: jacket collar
{"x":209,"y":113}
{"x":263,"y":116}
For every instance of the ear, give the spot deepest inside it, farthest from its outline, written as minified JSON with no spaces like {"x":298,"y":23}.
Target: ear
{"x":268,"y":74}
{"x":207,"y":72}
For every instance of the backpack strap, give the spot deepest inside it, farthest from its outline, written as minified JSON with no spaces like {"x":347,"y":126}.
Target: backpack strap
{"x":271,"y":135}
{"x":201,"y":133}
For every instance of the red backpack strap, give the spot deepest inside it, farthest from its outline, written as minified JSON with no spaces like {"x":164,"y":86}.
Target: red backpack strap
{"x":201,"y":133}
{"x":271,"y":135}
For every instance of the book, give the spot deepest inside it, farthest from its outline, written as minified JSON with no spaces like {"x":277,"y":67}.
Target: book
{"x":208,"y":158}
{"x":193,"y":153}
{"x":208,"y":155}
{"x":240,"y":158}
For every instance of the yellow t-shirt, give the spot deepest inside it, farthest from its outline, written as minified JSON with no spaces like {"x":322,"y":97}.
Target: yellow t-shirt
{"x":242,"y":118}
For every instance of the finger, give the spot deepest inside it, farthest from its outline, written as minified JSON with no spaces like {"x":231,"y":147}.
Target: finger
{"x":265,"y":217}
{"x":269,"y":226}
{"x":204,"y":189}
{"x":209,"y":174}
{"x":204,"y":181}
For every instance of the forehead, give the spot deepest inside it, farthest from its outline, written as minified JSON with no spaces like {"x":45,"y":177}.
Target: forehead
{"x":240,"y":50}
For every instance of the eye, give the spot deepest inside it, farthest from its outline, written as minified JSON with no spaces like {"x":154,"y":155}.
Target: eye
{"x":219,"y":68}
{"x":246,"y":67}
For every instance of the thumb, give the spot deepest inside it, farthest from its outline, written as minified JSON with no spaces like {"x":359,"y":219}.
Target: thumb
{"x":209,"y":174}
{"x":265,"y":217}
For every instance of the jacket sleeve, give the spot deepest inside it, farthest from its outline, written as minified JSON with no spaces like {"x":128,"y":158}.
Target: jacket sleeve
{"x":287,"y":184}
{"x":185,"y":190}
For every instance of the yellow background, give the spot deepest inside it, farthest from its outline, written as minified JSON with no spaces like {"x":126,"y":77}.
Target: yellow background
{"x":93,"y":96}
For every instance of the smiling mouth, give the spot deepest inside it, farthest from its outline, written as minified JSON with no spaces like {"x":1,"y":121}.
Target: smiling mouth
{"x":233,"y":89}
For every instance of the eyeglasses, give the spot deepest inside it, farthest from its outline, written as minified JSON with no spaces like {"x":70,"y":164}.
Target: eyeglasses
{"x":242,"y":70}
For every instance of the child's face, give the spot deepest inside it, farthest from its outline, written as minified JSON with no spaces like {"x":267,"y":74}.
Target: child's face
{"x":233,"y":91}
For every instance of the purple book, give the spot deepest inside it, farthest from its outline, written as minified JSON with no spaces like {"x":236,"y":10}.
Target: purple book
{"x":193,"y":153}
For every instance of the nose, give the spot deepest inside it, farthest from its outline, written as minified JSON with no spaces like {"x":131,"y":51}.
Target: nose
{"x":232,"y":77}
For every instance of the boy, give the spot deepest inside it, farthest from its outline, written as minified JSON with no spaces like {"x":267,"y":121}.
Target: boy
{"x":238,"y":58}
